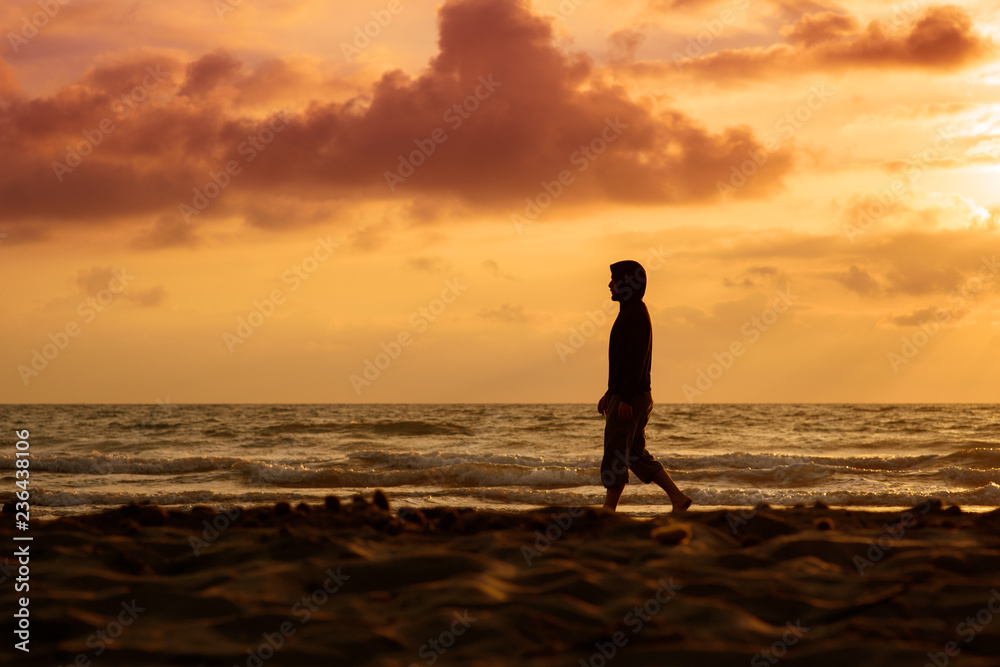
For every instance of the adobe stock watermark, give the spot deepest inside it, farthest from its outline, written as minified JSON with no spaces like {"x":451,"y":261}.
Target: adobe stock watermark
{"x":793,"y":121}
{"x":59,"y":340}
{"x":714,"y":28}
{"x":100,"y":641}
{"x":561,"y":523}
{"x":122,"y":107}
{"x":881,"y":202}
{"x":420,"y":320}
{"x":884,"y":543}
{"x":364,"y":34}
{"x":911,"y":345}
{"x":295,"y":277}
{"x":455,"y":116}
{"x":779,"y":649}
{"x":564,"y":9}
{"x":752,"y":330}
{"x":635,"y":621}
{"x":212,"y":531}
{"x":581,"y":158}
{"x":968,"y":628}
{"x":434,"y":648}
{"x":587,"y":328}
{"x":31,"y":26}
{"x":901,"y":12}
{"x":218,"y":181}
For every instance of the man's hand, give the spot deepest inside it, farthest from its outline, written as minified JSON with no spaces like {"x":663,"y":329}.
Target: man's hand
{"x":602,"y":405}
{"x":624,"y":411}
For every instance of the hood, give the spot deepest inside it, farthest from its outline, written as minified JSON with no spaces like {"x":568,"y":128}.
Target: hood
{"x":631,"y":278}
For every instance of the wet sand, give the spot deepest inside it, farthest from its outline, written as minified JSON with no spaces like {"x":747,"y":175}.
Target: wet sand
{"x":352,"y":583}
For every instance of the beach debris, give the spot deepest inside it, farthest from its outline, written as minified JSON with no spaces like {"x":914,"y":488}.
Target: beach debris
{"x":152,"y":515}
{"x":761,"y":527}
{"x":675,"y":534}
{"x":824,"y":523}
{"x":303,"y":508}
{"x":282,"y":507}
{"x":332,"y":504}
{"x":412,"y":515}
{"x":449,"y":518}
{"x":930,"y":505}
{"x":358,"y":502}
{"x":381,"y":500}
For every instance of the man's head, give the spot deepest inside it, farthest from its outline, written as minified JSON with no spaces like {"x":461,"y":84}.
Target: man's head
{"x":628,"y":281}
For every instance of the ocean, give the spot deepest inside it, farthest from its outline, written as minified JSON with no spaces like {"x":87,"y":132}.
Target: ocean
{"x":86,"y":458}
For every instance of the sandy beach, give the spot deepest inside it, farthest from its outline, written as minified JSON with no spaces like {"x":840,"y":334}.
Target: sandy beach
{"x":352,"y":583}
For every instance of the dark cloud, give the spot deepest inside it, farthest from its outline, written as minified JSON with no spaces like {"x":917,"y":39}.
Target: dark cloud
{"x":942,"y":38}
{"x":167,"y":232}
{"x":859,"y":281}
{"x":541,"y":111}
{"x":208,"y":72}
{"x":923,"y":316}
{"x":755,"y":276}
{"x":150,"y":298}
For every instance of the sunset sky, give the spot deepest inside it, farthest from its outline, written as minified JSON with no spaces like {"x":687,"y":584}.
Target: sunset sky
{"x":254,"y":201}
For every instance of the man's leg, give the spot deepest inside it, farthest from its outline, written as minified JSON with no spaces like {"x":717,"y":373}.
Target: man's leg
{"x":677,"y":497}
{"x":614,"y":465}
{"x":613,"y":496}
{"x":648,"y":469}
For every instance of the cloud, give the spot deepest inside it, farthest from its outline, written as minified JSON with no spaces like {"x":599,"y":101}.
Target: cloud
{"x":909,"y":277}
{"x":859,"y":281}
{"x":208,"y":72}
{"x":429,"y":264}
{"x":814,"y":29}
{"x":9,"y":85}
{"x":669,"y":5}
{"x":622,"y":44}
{"x":166,"y":232}
{"x":942,"y":38}
{"x":506,"y":313}
{"x":926,"y":315}
{"x":755,"y":276}
{"x":494,"y":269}
{"x":150,"y":298}
{"x":95,"y":280}
{"x":368,"y":238}
{"x":543,"y":111}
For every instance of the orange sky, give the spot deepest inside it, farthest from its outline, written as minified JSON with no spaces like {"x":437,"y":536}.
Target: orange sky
{"x":416,"y":201}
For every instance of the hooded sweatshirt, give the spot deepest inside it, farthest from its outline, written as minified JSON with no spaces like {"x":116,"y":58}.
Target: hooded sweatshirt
{"x":630,"y":350}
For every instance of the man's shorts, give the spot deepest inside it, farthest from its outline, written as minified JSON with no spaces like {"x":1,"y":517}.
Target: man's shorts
{"x":625,"y":443}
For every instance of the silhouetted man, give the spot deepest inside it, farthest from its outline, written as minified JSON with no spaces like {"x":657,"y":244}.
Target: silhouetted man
{"x":629,"y":401}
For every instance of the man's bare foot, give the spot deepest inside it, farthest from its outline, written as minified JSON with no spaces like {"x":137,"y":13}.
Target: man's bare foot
{"x":684,"y":503}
